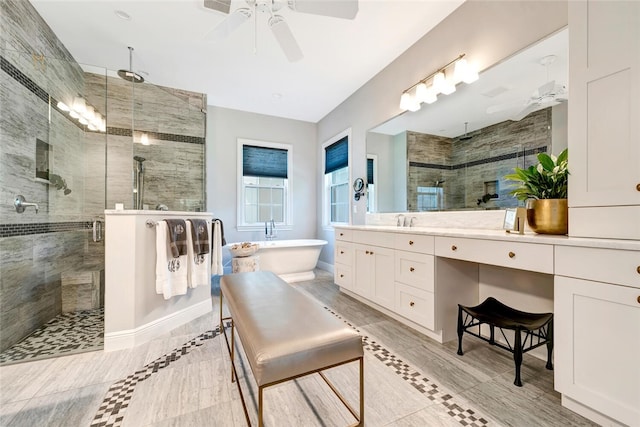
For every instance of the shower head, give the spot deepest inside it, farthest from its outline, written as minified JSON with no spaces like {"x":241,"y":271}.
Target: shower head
{"x":139,"y":159}
{"x":439,"y":182}
{"x":129,"y":75}
{"x":465,"y":137}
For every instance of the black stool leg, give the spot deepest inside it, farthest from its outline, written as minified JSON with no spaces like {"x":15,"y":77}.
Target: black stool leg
{"x":492,"y":337}
{"x":517,"y":356}
{"x":549,"y":344}
{"x":460,"y":331}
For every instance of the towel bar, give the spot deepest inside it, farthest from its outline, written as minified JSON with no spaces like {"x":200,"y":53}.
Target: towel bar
{"x":151,"y":223}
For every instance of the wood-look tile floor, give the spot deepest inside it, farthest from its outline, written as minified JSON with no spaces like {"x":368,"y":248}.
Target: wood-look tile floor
{"x":182,"y":379}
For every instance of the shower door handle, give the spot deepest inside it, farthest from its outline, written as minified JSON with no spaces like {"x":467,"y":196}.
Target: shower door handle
{"x":97,"y":231}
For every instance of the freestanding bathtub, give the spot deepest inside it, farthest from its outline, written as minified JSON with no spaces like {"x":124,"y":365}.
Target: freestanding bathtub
{"x":292,"y":260}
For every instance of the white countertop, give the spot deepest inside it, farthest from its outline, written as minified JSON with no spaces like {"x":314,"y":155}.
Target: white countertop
{"x":489,"y":234}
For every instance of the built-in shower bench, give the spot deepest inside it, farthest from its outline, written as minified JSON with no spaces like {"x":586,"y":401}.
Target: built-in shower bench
{"x":285,"y":334}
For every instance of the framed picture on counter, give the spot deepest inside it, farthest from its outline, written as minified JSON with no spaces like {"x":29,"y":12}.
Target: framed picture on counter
{"x":514,"y":220}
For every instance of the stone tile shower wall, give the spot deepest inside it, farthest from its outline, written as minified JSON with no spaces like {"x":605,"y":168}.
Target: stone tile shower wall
{"x":35,"y":249}
{"x":174,"y":122}
{"x":470,"y":168}
{"x":38,"y":250}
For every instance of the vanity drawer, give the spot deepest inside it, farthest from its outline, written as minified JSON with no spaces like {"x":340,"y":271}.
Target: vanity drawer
{"x":621,"y":267}
{"x":414,"y":243}
{"x":343,"y":234}
{"x":343,"y":253}
{"x":416,"y":305}
{"x":373,"y":238}
{"x":343,"y":276}
{"x":415,"y":269}
{"x":523,"y":256}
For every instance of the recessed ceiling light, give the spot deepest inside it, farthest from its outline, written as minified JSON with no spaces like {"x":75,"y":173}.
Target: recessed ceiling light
{"x":123,"y":15}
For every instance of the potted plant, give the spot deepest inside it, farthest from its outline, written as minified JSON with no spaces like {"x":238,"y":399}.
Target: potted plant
{"x":543,"y":187}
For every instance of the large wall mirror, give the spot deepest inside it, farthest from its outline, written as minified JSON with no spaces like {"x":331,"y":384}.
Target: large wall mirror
{"x":453,"y":154}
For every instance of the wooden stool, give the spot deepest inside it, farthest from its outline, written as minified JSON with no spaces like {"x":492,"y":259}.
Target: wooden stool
{"x":495,"y":314}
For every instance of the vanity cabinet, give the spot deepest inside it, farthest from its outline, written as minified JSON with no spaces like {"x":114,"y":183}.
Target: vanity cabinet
{"x":373,"y":267}
{"x":597,"y":332}
{"x":414,"y":287}
{"x":522,"y":256}
{"x":603,"y":125}
{"x":343,"y":259}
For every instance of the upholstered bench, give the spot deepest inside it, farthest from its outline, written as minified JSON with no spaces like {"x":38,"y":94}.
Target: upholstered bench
{"x":285,"y":334}
{"x":537,"y":329}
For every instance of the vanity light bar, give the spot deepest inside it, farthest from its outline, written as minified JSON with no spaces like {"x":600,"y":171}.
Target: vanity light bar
{"x":442,"y":81}
{"x":86,"y":114}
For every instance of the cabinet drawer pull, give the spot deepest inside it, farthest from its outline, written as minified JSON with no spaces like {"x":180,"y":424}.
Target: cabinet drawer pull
{"x":454,"y":248}
{"x":411,"y":269}
{"x":341,"y":234}
{"x":512,"y":254}
{"x":638,"y":299}
{"x":638,"y":269}
{"x":370,"y":252}
{"x":638,"y":187}
{"x":342,"y":275}
{"x":366,"y":252}
{"x":341,"y":252}
{"x":410,"y":242}
{"x":411,"y":304}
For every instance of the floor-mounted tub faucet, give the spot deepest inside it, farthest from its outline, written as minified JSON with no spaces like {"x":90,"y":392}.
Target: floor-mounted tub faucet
{"x":270,"y":230}
{"x":21,"y":204}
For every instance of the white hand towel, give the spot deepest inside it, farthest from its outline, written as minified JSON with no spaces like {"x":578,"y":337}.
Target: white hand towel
{"x":216,"y":249}
{"x":171,"y":273}
{"x":199,"y":265}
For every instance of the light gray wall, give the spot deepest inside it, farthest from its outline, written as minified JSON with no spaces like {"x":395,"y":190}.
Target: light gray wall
{"x":382,"y":146}
{"x":487,"y":31}
{"x":224,"y":127}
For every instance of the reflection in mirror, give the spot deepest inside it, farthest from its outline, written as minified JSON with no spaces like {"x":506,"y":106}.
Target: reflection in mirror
{"x":453,"y":155}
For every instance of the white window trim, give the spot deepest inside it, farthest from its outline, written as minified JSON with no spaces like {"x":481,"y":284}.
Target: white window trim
{"x":288,"y":224}
{"x":326,"y":205}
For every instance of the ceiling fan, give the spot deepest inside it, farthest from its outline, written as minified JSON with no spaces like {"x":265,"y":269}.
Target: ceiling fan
{"x":547,"y":95}
{"x":346,"y":9}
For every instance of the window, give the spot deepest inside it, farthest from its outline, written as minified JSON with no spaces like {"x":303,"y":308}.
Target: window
{"x":372,"y":163}
{"x":430,"y":198}
{"x":263,"y":183}
{"x":336,"y":179}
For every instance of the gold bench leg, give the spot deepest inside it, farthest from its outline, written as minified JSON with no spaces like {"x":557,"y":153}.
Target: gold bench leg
{"x":260,"y":420}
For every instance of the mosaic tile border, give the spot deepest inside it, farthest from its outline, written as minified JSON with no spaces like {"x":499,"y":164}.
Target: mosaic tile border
{"x":464,"y":416}
{"x":493,"y":159}
{"x":67,"y":333}
{"x":113,"y":407}
{"x":12,"y":230}
{"x":34,"y":88}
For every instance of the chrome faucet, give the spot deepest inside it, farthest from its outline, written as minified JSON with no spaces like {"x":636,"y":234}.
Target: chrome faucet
{"x":270,"y":230}
{"x":21,"y":204}
{"x":411,"y":221}
{"x":400,"y":219}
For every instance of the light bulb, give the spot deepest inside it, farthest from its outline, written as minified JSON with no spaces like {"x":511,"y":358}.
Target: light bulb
{"x":62,"y":106}
{"x":144,"y":138}
{"x":79,"y":105}
{"x":406,"y":100}
{"x":89,"y":113}
{"x":83,"y":121}
{"x":464,"y":72}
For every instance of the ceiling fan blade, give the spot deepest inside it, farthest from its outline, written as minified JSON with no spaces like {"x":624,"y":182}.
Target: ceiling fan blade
{"x":525,"y":112}
{"x":284,"y":36}
{"x":228,"y":25}
{"x":546,"y":88}
{"x":346,"y":9}
{"x":218,"y":5}
{"x":506,"y":106}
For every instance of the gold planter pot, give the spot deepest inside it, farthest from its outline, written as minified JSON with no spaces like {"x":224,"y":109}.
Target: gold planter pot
{"x":548,"y":216}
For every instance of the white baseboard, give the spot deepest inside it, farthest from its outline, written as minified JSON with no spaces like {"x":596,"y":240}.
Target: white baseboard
{"x":589,"y":413}
{"x":132,"y":337}
{"x":325,"y":266}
